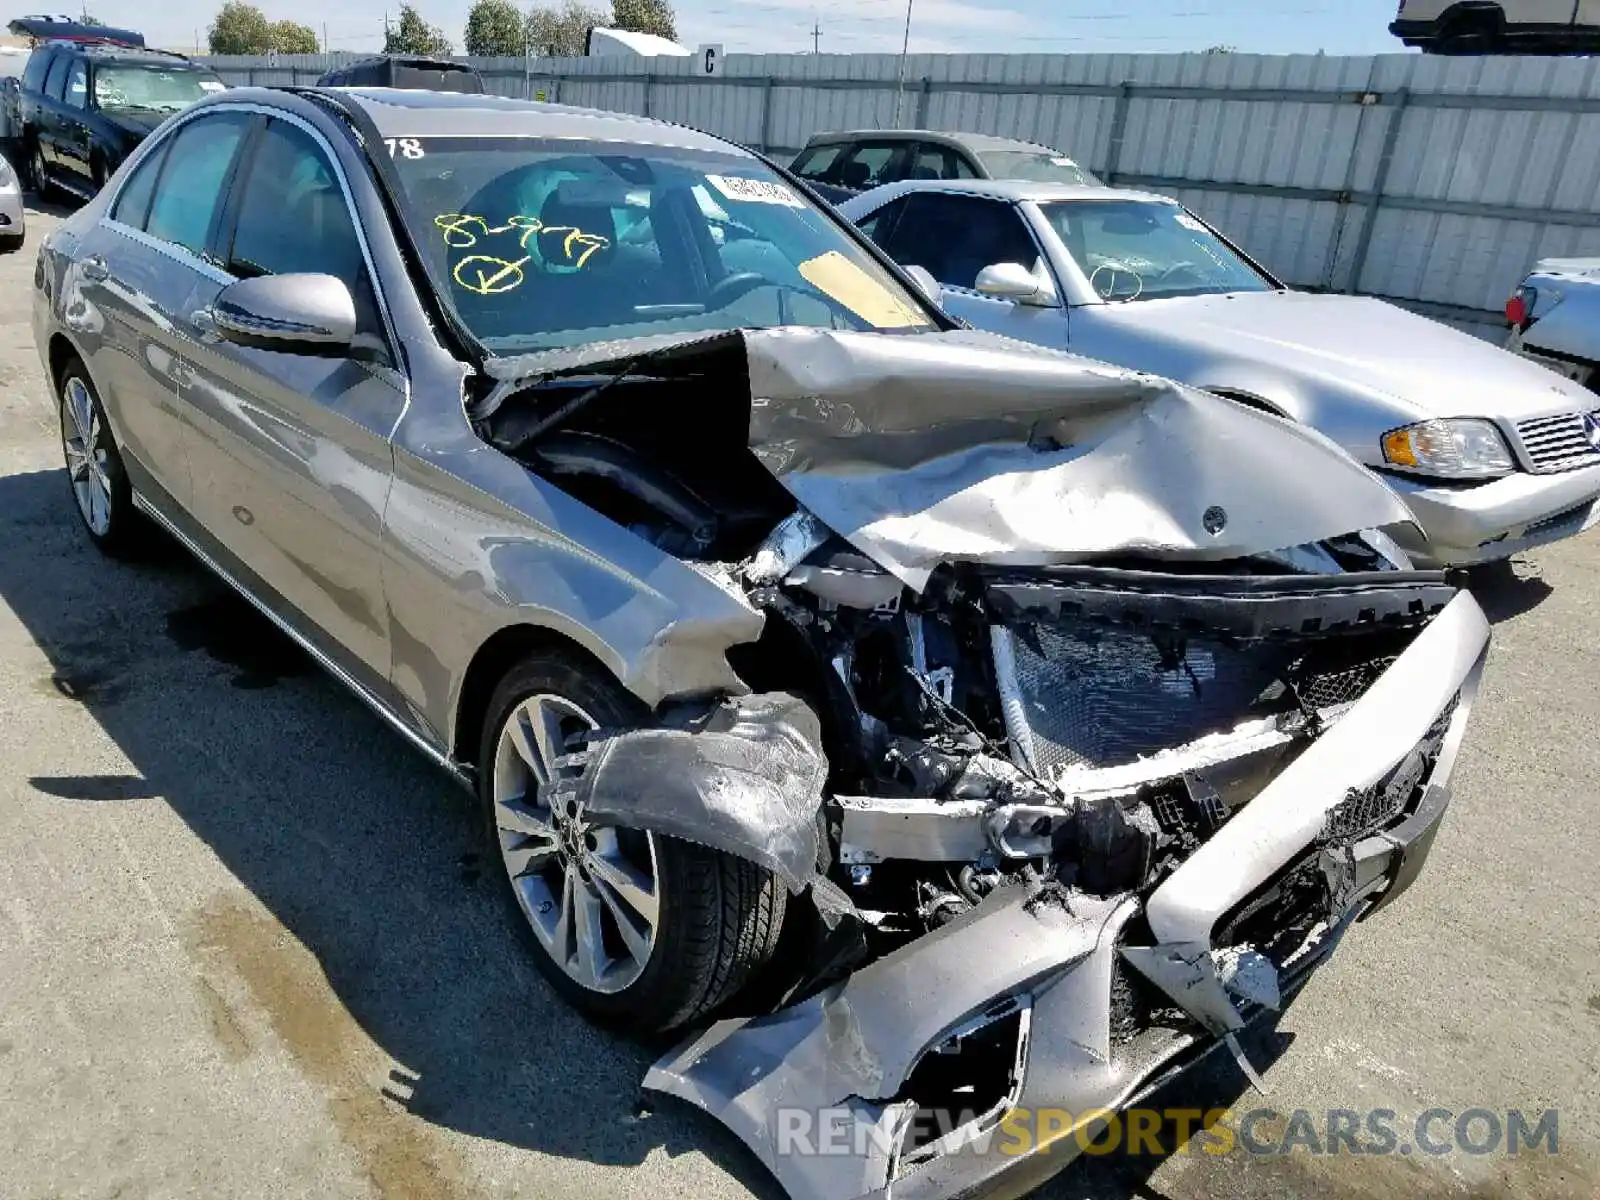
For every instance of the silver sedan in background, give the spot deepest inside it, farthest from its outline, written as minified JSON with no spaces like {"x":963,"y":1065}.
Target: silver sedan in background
{"x":1494,"y":455}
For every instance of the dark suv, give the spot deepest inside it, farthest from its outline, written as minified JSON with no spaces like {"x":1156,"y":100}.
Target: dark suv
{"x":85,"y":105}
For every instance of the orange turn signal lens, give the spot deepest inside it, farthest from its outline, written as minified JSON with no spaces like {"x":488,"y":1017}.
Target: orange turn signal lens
{"x":1397,"y":448}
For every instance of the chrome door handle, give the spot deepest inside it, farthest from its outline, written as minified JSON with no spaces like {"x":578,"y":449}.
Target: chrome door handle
{"x":94,"y":269}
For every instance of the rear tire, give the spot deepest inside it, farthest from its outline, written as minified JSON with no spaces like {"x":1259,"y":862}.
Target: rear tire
{"x":716,"y":918}
{"x":95,"y":472}
{"x":39,"y":174}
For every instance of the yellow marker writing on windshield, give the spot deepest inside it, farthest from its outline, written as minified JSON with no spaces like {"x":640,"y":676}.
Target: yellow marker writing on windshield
{"x":487,"y":276}
{"x":458,"y":228}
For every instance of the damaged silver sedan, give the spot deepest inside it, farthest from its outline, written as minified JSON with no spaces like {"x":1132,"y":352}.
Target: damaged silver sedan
{"x":967,"y":728}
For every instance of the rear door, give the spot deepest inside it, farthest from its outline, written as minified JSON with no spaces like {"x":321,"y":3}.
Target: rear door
{"x":138,"y":269}
{"x":47,"y":126}
{"x":290,"y":453}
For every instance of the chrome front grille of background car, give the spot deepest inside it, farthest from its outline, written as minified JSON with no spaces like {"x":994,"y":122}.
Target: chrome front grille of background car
{"x":1560,"y":443}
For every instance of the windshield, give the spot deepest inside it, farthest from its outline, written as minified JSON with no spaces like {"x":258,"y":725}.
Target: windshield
{"x":1147,"y":250}
{"x":1036,"y":166}
{"x":540,"y":244}
{"x":163,"y":89}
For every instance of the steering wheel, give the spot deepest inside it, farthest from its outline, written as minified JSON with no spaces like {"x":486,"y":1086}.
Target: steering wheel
{"x":730,"y":287}
{"x":1113,"y":271}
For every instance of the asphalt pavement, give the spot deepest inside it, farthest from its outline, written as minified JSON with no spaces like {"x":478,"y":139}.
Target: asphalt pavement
{"x":249,"y":946}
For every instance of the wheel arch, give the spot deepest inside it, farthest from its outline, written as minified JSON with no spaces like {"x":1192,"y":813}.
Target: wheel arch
{"x":59,"y":353}
{"x":488,"y":667}
{"x":1251,"y":400}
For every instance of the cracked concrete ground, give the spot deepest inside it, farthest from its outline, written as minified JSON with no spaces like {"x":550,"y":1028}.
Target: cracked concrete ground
{"x":248,"y":946}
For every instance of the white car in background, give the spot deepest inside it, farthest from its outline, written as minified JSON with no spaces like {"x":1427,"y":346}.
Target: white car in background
{"x":1493,"y":454}
{"x":1499,"y":26}
{"x":13,"y":219}
{"x":1555,"y":319}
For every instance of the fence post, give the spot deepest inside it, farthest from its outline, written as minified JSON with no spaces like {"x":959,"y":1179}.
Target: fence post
{"x":924,"y":101}
{"x":766,"y":115}
{"x":648,"y":80}
{"x":1380,"y":180}
{"x":1119,"y":130}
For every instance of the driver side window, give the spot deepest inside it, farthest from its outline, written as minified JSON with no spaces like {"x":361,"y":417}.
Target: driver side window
{"x":293,"y":217}
{"x":955,"y":237}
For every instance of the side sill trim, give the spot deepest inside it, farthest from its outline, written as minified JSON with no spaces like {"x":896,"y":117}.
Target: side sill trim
{"x":327,"y":664}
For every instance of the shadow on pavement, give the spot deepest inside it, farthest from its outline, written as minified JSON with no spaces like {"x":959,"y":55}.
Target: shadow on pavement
{"x":1507,"y":589}
{"x":367,"y":854}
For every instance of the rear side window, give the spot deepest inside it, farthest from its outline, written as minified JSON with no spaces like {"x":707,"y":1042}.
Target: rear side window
{"x":872,"y":163}
{"x":940,"y":162}
{"x":190,"y":188}
{"x":133,"y":203}
{"x":816,"y":162}
{"x":58,"y":76}
{"x":33,"y":75}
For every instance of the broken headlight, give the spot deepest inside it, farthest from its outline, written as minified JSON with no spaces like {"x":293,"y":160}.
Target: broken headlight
{"x":1460,"y":448}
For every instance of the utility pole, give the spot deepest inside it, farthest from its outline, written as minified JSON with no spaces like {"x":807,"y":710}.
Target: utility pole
{"x":816,"y":39}
{"x":900,"y":84}
{"x":325,"y":47}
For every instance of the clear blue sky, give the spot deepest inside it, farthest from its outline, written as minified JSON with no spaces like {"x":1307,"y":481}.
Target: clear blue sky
{"x":854,"y":26}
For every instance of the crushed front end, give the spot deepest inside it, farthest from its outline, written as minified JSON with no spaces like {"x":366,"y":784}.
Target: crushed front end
{"x":1093,"y":821}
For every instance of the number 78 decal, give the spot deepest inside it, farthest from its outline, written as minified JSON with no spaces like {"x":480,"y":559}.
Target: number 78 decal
{"x":405,"y":147}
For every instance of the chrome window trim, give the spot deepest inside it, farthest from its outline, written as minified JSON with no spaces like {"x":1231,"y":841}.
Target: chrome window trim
{"x":437,"y":756}
{"x":187,"y":258}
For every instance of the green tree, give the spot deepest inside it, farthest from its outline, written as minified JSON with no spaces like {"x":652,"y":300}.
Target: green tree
{"x":413,"y":35}
{"x":563,"y":32}
{"x":291,"y":37}
{"x":496,"y":29}
{"x":240,"y":28}
{"x":645,"y":16}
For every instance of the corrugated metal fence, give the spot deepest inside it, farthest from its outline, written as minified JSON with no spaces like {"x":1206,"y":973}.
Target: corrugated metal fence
{"x":1434,"y":181}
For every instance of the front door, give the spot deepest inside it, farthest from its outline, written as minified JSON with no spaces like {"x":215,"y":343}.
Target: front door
{"x":290,"y":453}
{"x":954,"y":237}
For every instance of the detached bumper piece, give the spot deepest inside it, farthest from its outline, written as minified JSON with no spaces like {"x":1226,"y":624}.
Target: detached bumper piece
{"x":914,"y":1076}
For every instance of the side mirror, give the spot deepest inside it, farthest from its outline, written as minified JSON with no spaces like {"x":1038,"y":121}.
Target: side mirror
{"x":926,"y":283}
{"x":292,"y":314}
{"x":1013,"y":281}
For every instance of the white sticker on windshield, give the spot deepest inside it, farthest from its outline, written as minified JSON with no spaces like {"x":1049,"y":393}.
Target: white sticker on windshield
{"x":213,"y":85}
{"x":1062,"y":162}
{"x":1189,"y":222}
{"x":755,"y":191}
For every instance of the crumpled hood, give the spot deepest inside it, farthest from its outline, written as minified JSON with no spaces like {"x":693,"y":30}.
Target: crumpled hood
{"x":1431,"y":369}
{"x":963,"y":446}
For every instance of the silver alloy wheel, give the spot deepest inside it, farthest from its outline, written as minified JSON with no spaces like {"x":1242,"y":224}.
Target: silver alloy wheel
{"x":86,"y":456}
{"x":39,"y":180}
{"x":590,"y":891}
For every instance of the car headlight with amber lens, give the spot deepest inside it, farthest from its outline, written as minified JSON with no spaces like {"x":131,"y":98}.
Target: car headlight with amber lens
{"x":1460,"y":448}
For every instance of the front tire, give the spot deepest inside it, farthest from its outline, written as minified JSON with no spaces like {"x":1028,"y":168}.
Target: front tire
{"x":632,"y":928}
{"x":95,"y":471}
